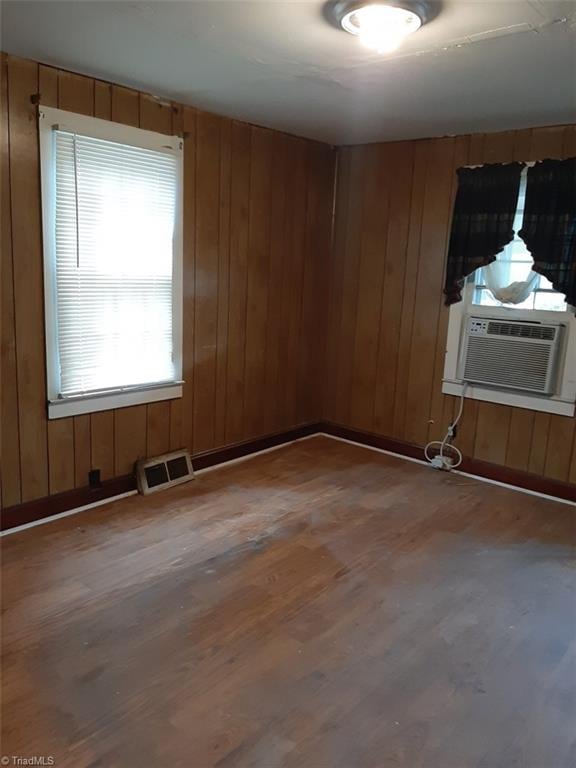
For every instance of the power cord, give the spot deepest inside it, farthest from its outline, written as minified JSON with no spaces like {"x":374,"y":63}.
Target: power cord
{"x":441,"y":461}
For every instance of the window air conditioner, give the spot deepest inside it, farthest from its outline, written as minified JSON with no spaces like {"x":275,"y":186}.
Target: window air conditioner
{"x":512,"y":354}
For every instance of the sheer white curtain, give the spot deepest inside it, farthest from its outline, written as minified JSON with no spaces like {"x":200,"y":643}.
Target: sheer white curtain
{"x":497,"y":277}
{"x":510,"y":278}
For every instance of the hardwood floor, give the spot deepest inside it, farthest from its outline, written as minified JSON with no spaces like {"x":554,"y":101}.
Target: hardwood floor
{"x":321,"y":606}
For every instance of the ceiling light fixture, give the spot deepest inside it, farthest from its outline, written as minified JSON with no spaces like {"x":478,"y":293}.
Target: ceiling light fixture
{"x":381,"y":26}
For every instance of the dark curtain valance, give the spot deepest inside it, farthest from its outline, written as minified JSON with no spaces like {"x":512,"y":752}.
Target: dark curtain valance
{"x":482,"y":222}
{"x":549,"y":225}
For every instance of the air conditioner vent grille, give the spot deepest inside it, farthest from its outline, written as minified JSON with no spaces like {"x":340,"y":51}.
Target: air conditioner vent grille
{"x":522,"y":365}
{"x":518,"y":330}
{"x":510,"y":354}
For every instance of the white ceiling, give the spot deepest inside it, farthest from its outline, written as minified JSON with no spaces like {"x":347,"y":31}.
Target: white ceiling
{"x":485,"y":65}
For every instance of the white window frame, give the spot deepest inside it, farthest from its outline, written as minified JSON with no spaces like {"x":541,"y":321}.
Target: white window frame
{"x":59,"y":407}
{"x":562,"y":403}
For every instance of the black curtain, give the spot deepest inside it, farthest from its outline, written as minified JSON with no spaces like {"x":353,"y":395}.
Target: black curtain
{"x":482,"y":221}
{"x":549,"y":225}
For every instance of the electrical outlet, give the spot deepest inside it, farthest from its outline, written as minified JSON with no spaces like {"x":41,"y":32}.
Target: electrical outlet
{"x":94,"y":478}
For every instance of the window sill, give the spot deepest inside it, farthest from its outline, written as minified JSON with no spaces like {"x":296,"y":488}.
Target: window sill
{"x":60,"y":409}
{"x":508,"y":397}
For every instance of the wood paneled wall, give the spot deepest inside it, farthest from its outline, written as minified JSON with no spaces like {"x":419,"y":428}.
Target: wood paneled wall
{"x":280,"y":327}
{"x":387,"y":323}
{"x":257,"y":228}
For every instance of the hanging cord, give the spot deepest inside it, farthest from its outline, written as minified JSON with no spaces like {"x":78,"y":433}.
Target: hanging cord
{"x":75,"y":156}
{"x":446,"y":442}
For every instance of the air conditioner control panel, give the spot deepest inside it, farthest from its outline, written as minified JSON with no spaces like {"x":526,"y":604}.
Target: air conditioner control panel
{"x":478,"y":326}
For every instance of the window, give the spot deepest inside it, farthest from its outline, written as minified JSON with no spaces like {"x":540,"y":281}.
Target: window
{"x":515,"y":264}
{"x":111,"y":198}
{"x":543,"y":296}
{"x":542,"y":305}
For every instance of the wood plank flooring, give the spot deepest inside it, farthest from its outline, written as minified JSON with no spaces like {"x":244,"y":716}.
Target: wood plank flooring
{"x":320,"y":606}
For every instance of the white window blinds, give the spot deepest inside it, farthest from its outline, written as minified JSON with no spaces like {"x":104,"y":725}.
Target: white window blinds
{"x":114,"y":218}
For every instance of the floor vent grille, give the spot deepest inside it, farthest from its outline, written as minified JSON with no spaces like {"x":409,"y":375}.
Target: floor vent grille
{"x":164,"y":471}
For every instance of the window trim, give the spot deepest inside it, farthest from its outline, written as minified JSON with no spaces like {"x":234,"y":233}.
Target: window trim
{"x":58,"y":407}
{"x":562,"y":404}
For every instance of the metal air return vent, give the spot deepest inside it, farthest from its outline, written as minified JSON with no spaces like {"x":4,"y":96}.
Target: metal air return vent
{"x":164,"y":471}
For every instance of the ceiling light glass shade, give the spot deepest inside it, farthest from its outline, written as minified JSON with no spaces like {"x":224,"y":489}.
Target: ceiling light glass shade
{"x":381,"y":27}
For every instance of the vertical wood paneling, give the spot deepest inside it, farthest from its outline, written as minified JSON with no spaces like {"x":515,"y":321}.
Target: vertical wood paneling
{"x":175,"y":440}
{"x":28,"y":277}
{"x":279,"y":324}
{"x":572,"y":473}
{"x":442,"y":406}
{"x":420,"y":163}
{"x":559,"y":447}
{"x":311,"y":295}
{"x":322,"y":224}
{"x":295,"y":274}
{"x":258,"y":275}
{"x":75,"y":93}
{"x":129,"y":438}
{"x":189,"y":274}
{"x":408,"y":401}
{"x":520,"y":438}
{"x":275,"y":347}
{"x":372,"y":248}
{"x":435,"y":221}
{"x":345,"y":328}
{"x":48,"y":86}
{"x":125,"y":106}
{"x":61,"y":455}
{"x":338,"y":258}
{"x":256,"y":238}
{"x":10,"y":433}
{"x":82,"y":449}
{"x":223,"y":285}
{"x":390,"y":321}
{"x":239,"y":197}
{"x":492,"y":432}
{"x":315,"y":287}
{"x":288,"y":302}
{"x":102,"y":100}
{"x":158,"y":428}
{"x":102,"y":443}
{"x":155,"y":115}
{"x":539,"y":443}
{"x":206,"y":297}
